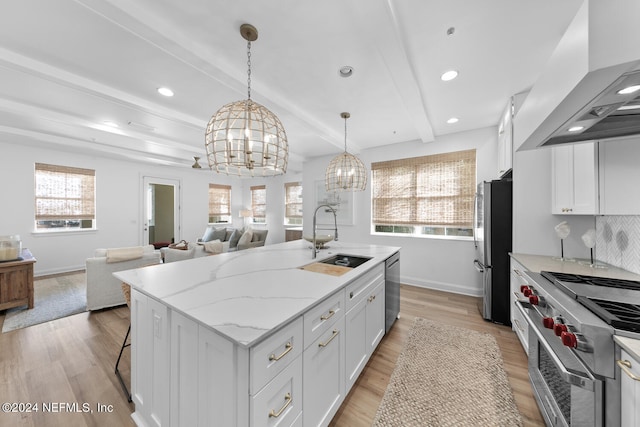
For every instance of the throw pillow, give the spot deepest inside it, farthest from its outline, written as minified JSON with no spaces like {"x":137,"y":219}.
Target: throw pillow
{"x":228,"y":235}
{"x":246,"y":237}
{"x":235,"y":236}
{"x":219,"y":234}
{"x":208,"y":234}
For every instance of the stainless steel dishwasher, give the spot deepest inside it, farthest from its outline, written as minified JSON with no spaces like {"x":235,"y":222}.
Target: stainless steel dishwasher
{"x":392,"y":290}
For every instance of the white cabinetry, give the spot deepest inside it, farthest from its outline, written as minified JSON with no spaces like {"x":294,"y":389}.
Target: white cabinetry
{"x":184,"y":373}
{"x":574,"y":169}
{"x":324,"y":361}
{"x":629,"y":391}
{"x":518,"y":322}
{"x":619,"y":175}
{"x":364,"y":321}
{"x":150,"y":360}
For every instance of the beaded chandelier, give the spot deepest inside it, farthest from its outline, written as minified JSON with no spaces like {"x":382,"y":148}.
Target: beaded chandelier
{"x":345,"y":172}
{"x":244,"y":138}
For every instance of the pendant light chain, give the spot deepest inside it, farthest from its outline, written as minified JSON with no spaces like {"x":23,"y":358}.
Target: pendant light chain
{"x":345,"y":134}
{"x":249,"y":69}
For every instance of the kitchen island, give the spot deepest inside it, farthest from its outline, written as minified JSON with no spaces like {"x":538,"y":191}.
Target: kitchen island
{"x":228,"y":339}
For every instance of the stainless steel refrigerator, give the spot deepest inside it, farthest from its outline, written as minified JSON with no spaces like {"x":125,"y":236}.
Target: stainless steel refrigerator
{"x":493,"y":238}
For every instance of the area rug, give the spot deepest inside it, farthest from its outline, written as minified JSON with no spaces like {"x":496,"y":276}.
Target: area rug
{"x":448,"y":376}
{"x":54,"y":298}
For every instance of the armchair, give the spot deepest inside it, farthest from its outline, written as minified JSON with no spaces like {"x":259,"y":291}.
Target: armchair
{"x":104,"y":290}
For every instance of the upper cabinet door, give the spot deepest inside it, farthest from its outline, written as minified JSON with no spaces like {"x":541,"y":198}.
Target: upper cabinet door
{"x":619,"y":177}
{"x":575,"y":179}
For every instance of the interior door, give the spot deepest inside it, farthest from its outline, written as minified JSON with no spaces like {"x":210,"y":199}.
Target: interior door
{"x":161,"y":210}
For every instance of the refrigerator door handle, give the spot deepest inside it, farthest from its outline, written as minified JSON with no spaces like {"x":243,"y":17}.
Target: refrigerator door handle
{"x":475,"y":219}
{"x":478,"y":265}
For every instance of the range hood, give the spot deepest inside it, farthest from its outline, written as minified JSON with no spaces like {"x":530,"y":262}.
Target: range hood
{"x":582,"y":94}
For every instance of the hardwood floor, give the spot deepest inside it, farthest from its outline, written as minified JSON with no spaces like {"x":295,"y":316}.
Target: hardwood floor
{"x":362,"y":402}
{"x":70,"y":361}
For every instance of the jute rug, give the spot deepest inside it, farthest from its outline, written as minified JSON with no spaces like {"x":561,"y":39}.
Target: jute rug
{"x":54,"y":297}
{"x":448,"y":376}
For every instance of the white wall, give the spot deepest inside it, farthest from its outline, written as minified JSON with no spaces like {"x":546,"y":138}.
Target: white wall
{"x":435,"y":263}
{"x":119,"y":204}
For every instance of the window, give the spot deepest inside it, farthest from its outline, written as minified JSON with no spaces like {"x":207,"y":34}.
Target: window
{"x":293,"y":203}
{"x":65,"y":198}
{"x":429,"y":195}
{"x":259,"y":203}
{"x":219,"y":203}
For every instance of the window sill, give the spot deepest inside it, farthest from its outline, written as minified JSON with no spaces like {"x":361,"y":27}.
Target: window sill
{"x":424,"y":236}
{"x":41,"y":233}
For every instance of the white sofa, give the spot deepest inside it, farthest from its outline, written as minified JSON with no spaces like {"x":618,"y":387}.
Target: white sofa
{"x":103,"y":289}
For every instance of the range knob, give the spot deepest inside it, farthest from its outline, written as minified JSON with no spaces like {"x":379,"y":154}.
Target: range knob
{"x":527,"y":292}
{"x":559,"y":329}
{"x":523,"y":288}
{"x":536,"y":300}
{"x":548,"y":322}
{"x":569,"y":339}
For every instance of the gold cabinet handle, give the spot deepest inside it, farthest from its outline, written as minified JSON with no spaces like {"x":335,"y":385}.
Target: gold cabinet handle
{"x":287,"y":347}
{"x":372,"y":297}
{"x":625,"y":365}
{"x":331,"y":313}
{"x":335,"y":334}
{"x":287,"y":402}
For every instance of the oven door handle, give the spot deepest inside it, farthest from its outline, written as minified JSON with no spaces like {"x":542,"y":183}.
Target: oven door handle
{"x":585,"y":381}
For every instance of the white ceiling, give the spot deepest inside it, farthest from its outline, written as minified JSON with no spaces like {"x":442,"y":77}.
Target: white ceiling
{"x":68,"y":66}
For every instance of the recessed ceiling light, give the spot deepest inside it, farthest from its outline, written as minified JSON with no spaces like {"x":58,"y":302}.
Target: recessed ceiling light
{"x":451,"y":31}
{"x":346,"y":71}
{"x":449,"y":75}
{"x":110,"y":123}
{"x":628,"y":90}
{"x":575,"y":128}
{"x":165,"y":91}
{"x":452,"y":120}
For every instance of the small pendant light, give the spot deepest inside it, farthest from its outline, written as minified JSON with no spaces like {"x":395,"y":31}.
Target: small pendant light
{"x":345,"y":172}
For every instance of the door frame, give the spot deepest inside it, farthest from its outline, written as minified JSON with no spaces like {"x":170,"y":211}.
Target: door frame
{"x":176,"y":183}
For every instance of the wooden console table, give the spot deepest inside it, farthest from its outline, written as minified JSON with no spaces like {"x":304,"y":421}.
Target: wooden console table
{"x":16,"y":281}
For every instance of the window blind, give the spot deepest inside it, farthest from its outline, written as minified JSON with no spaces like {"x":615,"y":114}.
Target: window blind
{"x":219,"y":200}
{"x":293,"y":199}
{"x":435,"y":190}
{"x":64,"y":192}
{"x":259,"y":201}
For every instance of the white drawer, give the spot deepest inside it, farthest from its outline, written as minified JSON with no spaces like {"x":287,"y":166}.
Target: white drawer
{"x":358,"y":289}
{"x":319,"y":319}
{"x":272,"y":355}
{"x":280,"y":402}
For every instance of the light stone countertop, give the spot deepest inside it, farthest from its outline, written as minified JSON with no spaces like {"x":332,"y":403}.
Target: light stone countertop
{"x":537,"y":263}
{"x":632,"y":346}
{"x":245,"y":295}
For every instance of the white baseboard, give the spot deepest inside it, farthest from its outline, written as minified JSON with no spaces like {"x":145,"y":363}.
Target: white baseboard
{"x":441,"y":286}
{"x":61,"y":270}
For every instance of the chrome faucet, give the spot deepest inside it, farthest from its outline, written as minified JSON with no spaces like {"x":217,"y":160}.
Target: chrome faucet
{"x":335,"y":223}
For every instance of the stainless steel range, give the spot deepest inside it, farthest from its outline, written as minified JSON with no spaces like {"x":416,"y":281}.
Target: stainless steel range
{"x":572,"y":320}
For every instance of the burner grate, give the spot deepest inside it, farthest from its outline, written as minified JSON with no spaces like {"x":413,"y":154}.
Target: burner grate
{"x":620,"y":315}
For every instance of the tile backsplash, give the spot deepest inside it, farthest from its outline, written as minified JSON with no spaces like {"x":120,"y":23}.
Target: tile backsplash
{"x":618,"y":241}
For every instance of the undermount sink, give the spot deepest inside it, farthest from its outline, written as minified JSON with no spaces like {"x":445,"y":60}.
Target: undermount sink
{"x":345,"y":260}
